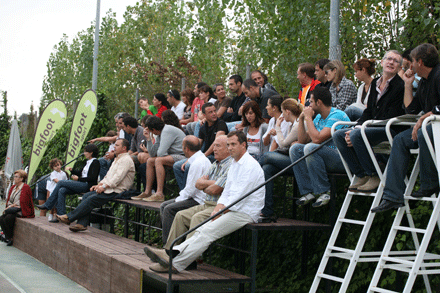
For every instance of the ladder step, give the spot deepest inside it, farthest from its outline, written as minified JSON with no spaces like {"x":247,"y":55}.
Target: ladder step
{"x":330,"y":277}
{"x":350,"y":221}
{"x":361,"y":193}
{"x":421,"y":198}
{"x":409,"y":229}
{"x":397,"y":267}
{"x":346,"y":250}
{"x":398,"y":260}
{"x":377,"y":289}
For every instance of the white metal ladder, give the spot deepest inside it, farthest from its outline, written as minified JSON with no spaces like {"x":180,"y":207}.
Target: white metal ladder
{"x":418,"y":261}
{"x":356,"y":255}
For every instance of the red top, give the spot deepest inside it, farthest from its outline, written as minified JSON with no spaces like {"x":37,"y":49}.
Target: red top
{"x":197,"y":107}
{"x":26,"y":201}
{"x":159,"y":112}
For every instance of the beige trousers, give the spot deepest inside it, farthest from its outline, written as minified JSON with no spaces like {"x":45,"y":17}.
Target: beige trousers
{"x":194,"y":247}
{"x":187,"y":219}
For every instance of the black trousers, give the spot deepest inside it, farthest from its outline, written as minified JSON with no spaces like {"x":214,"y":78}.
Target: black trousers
{"x":7,"y":223}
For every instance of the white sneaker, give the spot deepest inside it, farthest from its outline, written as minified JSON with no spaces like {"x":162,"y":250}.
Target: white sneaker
{"x":321,"y":201}
{"x":305,"y":199}
{"x":50,"y":217}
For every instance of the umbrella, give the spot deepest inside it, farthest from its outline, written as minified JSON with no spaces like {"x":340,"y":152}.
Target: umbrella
{"x":14,"y":156}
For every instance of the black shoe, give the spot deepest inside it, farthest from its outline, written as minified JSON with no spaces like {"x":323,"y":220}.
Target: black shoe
{"x":425,"y":193}
{"x":192,"y":266}
{"x":386,"y":205}
{"x":8,"y":242}
{"x":41,"y":207}
{"x":267,"y":219}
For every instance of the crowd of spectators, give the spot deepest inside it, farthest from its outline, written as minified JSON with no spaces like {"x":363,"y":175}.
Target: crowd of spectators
{"x":214,"y":143}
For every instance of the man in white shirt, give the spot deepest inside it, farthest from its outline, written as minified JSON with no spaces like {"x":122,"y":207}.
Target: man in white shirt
{"x":244,"y":175}
{"x":189,"y":196}
{"x":177,"y":106}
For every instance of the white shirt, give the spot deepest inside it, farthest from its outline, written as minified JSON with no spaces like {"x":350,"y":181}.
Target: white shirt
{"x":111,"y":147}
{"x":199,"y":165}
{"x":121,"y":134}
{"x":179,"y":110}
{"x":285,"y":127}
{"x":244,"y":176}
{"x":254,"y":142}
{"x":50,"y":185}
{"x":85,"y":170}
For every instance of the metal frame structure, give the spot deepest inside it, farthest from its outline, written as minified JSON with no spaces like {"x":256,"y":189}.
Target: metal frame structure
{"x":354,"y":256}
{"x":419,"y":261}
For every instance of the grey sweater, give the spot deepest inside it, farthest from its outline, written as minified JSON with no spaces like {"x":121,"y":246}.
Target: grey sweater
{"x":169,"y":142}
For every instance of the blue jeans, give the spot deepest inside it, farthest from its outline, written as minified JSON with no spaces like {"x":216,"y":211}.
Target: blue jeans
{"x":179,"y":174}
{"x":357,"y":157}
{"x":231,"y":125}
{"x":272,"y":163}
{"x":89,"y":201}
{"x":311,"y":173}
{"x":197,"y":129}
{"x":105,"y":166}
{"x":399,"y":161}
{"x":353,"y":112}
{"x":58,"y":196}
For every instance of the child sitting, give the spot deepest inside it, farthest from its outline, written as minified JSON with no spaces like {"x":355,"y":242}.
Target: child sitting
{"x":55,"y":176}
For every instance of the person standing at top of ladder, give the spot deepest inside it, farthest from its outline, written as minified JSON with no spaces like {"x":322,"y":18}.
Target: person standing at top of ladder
{"x":385,"y":101}
{"x":427,"y":99}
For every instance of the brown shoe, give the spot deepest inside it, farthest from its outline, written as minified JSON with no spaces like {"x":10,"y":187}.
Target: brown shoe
{"x":158,"y":268}
{"x":63,"y":219}
{"x":157,"y":255}
{"x":77,"y":228}
{"x":155,"y":197}
{"x":140,"y":196}
{"x":358,"y":182}
{"x":371,"y":185}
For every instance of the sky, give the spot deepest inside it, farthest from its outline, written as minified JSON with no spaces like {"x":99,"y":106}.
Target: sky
{"x":28,"y":32}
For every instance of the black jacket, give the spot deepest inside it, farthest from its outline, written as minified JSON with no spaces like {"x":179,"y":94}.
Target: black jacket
{"x":390,"y":105}
{"x":92,"y":174}
{"x":235,"y":105}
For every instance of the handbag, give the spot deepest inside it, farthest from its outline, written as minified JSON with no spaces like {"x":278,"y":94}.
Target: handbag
{"x":12,"y":210}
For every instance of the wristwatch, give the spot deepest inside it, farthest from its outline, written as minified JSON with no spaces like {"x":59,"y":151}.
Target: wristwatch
{"x":104,"y":186}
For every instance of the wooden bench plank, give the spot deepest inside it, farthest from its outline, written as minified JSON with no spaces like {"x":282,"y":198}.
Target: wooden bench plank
{"x":100,"y":261}
{"x":147,"y":205}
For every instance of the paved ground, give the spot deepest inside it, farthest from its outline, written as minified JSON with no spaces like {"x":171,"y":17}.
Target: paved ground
{"x":19,"y":272}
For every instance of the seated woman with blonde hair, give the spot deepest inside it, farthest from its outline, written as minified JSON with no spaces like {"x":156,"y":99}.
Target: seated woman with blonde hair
{"x":273,"y":162}
{"x":18,"y":204}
